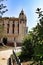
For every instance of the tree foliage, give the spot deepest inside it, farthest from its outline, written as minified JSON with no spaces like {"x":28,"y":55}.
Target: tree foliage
{"x":40,"y":24}
{"x":2,"y":8}
{"x":27,"y":49}
{"x":37,"y":35}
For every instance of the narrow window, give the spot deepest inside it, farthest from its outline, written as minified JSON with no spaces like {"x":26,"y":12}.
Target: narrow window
{"x":13,"y":25}
{"x":7,"y":28}
{"x":13,"y":28}
{"x":3,"y":23}
{"x":18,"y":28}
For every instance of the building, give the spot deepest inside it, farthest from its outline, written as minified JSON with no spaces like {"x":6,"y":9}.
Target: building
{"x":15,"y":29}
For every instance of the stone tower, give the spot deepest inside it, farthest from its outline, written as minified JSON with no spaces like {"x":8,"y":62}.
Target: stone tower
{"x":22,"y":25}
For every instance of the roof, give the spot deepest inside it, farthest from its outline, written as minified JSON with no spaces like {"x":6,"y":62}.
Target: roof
{"x":10,"y":18}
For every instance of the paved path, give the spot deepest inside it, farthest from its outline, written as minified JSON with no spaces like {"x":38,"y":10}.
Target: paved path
{"x":4,"y":55}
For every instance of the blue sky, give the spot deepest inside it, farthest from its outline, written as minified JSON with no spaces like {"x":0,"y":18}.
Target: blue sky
{"x":29,"y":7}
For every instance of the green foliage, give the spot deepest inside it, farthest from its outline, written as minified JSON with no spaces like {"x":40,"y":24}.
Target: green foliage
{"x":37,"y":35}
{"x":18,"y":53}
{"x":40,"y":25}
{"x":2,"y":8}
{"x":27,"y":50}
{"x":27,"y":46}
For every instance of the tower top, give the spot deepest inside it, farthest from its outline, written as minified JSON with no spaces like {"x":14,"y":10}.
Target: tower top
{"x":22,"y":15}
{"x":22,"y":12}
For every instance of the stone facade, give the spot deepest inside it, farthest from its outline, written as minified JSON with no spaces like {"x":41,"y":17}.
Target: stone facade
{"x":15,"y":28}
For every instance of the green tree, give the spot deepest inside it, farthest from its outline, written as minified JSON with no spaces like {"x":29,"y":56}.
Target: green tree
{"x":40,"y":24}
{"x":2,"y":8}
{"x":27,"y":49}
{"x":37,"y":33}
{"x":38,"y":37}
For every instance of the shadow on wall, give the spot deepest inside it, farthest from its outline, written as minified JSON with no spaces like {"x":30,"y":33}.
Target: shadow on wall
{"x":10,"y":43}
{"x":13,"y":44}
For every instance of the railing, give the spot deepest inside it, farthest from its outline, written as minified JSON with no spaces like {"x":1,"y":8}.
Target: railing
{"x":17,"y":59}
{"x":14,"y":61}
